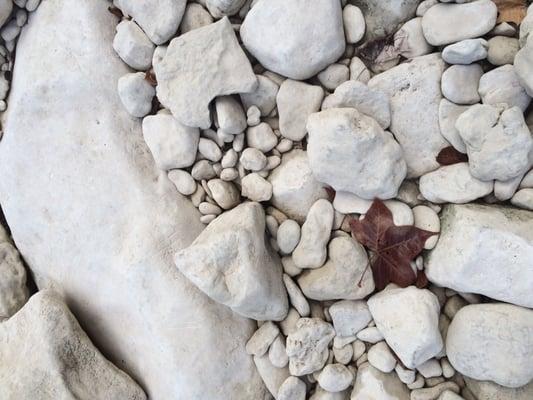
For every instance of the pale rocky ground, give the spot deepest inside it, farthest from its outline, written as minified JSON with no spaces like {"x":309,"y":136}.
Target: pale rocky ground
{"x":168,"y":232}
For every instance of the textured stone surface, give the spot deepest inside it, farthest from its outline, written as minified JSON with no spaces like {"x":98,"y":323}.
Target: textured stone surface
{"x":371,"y":383}
{"x":13,"y":290}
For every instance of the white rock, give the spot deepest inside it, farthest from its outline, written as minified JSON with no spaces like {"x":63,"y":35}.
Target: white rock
{"x":408,"y":319}
{"x":414,"y":92}
{"x":427,"y":219}
{"x":203,"y":170}
{"x":502,"y":50}
{"x":527,"y":181}
{"x":136,"y":94}
{"x":220,"y":8}
{"x":381,"y":357}
{"x":501,"y":85}
{"x":261,"y":137}
{"x":525,"y":27}
{"x":198,"y":54}
{"x":41,"y":342}
{"x":288,"y":325}
{"x":370,"y":335}
{"x":466,"y":51}
{"x":296,"y":101}
{"x":262,"y":338}
{"x":277,"y":353}
{"x":424,"y":6}
{"x":460,"y":83}
{"x":344,"y":276}
{"x":225,"y":194}
{"x":194,"y":17}
{"x":288,"y":236}
{"x":430,"y":369}
{"x":296,"y":39}
{"x":433,"y":392}
{"x":358,"y":70}
{"x":359,"y":349}
{"x":307,"y":346}
{"x":335,"y":378}
{"x":231,"y":262}
{"x":184,"y":182}
{"x":316,"y":231}
{"x":349,"y":317}
{"x":401,"y":212}
{"x":263,"y":97}
{"x":485,"y":250}
{"x":297,"y":299}
{"x":354,"y":23}
{"x":6,"y":6}
{"x":341,"y":141}
{"x":453,"y":184}
{"x":209,"y":150}
{"x":523,"y":199}
{"x":449,"y":395}
{"x":343,"y":355}
{"x":348,"y":203}
{"x":333,"y":76}
{"x":409,"y":40}
{"x":407,"y":376}
{"x":13,"y":291}
{"x":498,"y":142}
{"x":133,"y":46}
{"x":256,"y":188}
{"x":504,"y":190}
{"x":230,"y":115}
{"x":294,"y":187}
{"x":229,"y":159}
{"x":449,"y":23}
{"x":253,"y":159}
{"x":371,"y":102}
{"x":272,"y":376}
{"x":491,"y":391}
{"x":492,"y":342}
{"x":292,"y":389}
{"x":523,"y":63}
{"x":448,"y":114}
{"x":371,"y":383}
{"x":172,"y":144}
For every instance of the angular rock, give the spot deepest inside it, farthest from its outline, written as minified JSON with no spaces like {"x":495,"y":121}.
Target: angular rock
{"x":345,"y":148}
{"x":13,"y":290}
{"x":136,"y":94}
{"x":349,"y":317}
{"x":343,"y":276}
{"x":231,"y":262}
{"x":371,"y":383}
{"x":448,"y":114}
{"x":410,"y":40}
{"x":371,"y":102}
{"x":498,"y":142}
{"x":296,"y":101}
{"x":159,"y":19}
{"x":294,"y":187}
{"x":44,"y":351}
{"x":408,"y":319}
{"x":414,"y":92}
{"x":199,"y":66}
{"x":256,"y":188}
{"x":101,"y":226}
{"x":261,"y":137}
{"x":296,"y":39}
{"x":492,"y":342}
{"x":450,"y":23}
{"x":501,"y":85}
{"x":263,"y":97}
{"x":132,"y":46}
{"x":221,"y":8}
{"x":453,"y":184}
{"x":307,"y":345}
{"x":485,"y":250}
{"x":466,"y":51}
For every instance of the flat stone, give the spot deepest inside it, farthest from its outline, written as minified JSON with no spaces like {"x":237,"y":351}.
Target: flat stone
{"x":231,"y":262}
{"x":485,"y":250}
{"x":448,"y":114}
{"x":41,"y":342}
{"x":189,"y":73}
{"x":415,"y":94}
{"x":296,"y":39}
{"x":492,"y":342}
{"x":450,"y":23}
{"x":466,"y":51}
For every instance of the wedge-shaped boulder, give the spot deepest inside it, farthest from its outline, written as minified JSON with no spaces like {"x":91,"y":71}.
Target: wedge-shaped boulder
{"x":45,"y":352}
{"x":197,"y":67}
{"x":486,"y":250}
{"x":94,"y":218}
{"x":232,"y":263}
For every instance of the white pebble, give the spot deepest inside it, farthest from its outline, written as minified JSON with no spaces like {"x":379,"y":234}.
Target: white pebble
{"x":183,"y":181}
{"x":427,"y":219}
{"x":277,"y":353}
{"x":381,"y":357}
{"x":292,"y":389}
{"x":262,"y":339}
{"x":229,"y":174}
{"x":288,"y":236}
{"x":297,"y":299}
{"x":430,"y":369}
{"x":206,"y":219}
{"x":335,"y":378}
{"x":253,"y":116}
{"x":253,"y":159}
{"x":370,"y":335}
{"x":209,"y":150}
{"x":354,"y":23}
{"x":256,"y":188}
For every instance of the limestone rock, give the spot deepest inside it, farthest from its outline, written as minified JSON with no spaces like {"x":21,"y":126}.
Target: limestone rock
{"x":132,"y":45}
{"x":231,"y":262}
{"x":44,"y":351}
{"x":349,"y":317}
{"x":485,"y":250}
{"x":220,"y":8}
{"x":195,"y":17}
{"x":491,"y":391}
{"x":492,"y":342}
{"x":523,"y":199}
{"x":466,"y":51}
{"x":460,"y":83}
{"x":118,"y":219}
{"x":13,"y":290}
{"x":199,"y":66}
{"x":448,"y":114}
{"x":136,"y":94}
{"x":414,"y":92}
{"x":371,"y":383}
{"x":272,"y":376}
{"x":351,"y":152}
{"x":6,"y":6}
{"x":263,"y":97}
{"x":296,"y":39}
{"x":523,"y":63}
{"x":501,"y":85}
{"x":410,"y":40}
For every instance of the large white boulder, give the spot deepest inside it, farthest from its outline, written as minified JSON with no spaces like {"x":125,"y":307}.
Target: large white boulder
{"x":232,"y":263}
{"x":492,"y":342}
{"x":486,"y":250}
{"x":415,"y":95}
{"x":296,"y":39}
{"x":45,"y":352}
{"x":94,"y":218}
{"x":487,"y":390}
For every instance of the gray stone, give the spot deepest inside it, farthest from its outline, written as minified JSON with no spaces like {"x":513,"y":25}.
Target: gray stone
{"x":354,"y":23}
{"x":502,"y":50}
{"x":263,"y":97}
{"x":349,"y":317}
{"x":136,"y":94}
{"x":133,"y":46}
{"x":333,"y":76}
{"x":523,"y":63}
{"x":230,"y":115}
{"x":13,"y":290}
{"x":335,"y":378}
{"x":501,"y":85}
{"x":466,"y":51}
{"x":523,"y":199}
{"x":292,"y":389}
{"x":409,"y":40}
{"x":6,"y":6}
{"x":194,"y":17}
{"x":460,"y":83}
{"x":487,"y":390}
{"x":371,"y":383}
{"x":221,"y":8}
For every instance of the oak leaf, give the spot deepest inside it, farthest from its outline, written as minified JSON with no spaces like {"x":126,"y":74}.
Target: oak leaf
{"x":393,"y":247}
{"x":449,"y":155}
{"x":511,"y":10}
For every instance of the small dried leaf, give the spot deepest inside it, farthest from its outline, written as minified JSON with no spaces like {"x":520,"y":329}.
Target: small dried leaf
{"x":449,"y":155}
{"x":421,"y":280}
{"x":150,"y":77}
{"x":511,"y":10}
{"x":331,"y":193}
{"x":115,"y":11}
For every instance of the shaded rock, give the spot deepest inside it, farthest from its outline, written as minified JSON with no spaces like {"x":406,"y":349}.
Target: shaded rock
{"x":491,"y":391}
{"x":13,"y":290}
{"x":466,"y":51}
{"x":221,"y":8}
{"x":371,"y":383}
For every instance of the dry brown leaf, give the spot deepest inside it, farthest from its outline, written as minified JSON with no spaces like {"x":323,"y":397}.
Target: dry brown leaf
{"x":511,"y":10}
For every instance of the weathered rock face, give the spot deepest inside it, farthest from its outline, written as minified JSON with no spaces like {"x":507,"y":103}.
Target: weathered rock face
{"x":44,"y":351}
{"x":487,"y":390}
{"x":96,"y":220}
{"x":486,"y":250}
